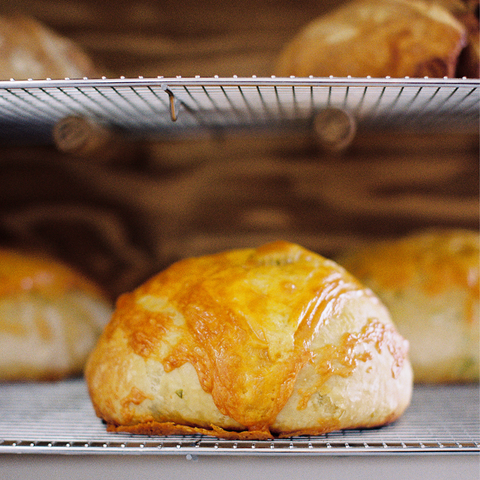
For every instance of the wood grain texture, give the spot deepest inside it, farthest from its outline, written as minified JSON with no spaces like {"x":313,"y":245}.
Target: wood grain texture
{"x":170,"y":38}
{"x":121,"y":221}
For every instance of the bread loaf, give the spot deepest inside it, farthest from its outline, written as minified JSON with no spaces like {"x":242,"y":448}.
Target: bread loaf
{"x":429,"y":282}
{"x":377,"y":38}
{"x":50,"y":318}
{"x":250,"y":343}
{"x":30,"y":49}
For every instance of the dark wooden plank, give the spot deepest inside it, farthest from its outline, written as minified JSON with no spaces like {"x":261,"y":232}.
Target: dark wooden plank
{"x":120,"y":221}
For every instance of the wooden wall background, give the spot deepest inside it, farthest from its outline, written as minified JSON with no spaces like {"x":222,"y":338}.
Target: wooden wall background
{"x":167,"y":37}
{"x":122,"y":221}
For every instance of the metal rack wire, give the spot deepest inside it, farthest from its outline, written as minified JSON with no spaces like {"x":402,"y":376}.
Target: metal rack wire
{"x":59,"y":419}
{"x":164,"y":107}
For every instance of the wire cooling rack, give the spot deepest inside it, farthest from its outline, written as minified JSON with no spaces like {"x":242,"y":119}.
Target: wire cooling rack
{"x":59,"y":419}
{"x":163,"y":107}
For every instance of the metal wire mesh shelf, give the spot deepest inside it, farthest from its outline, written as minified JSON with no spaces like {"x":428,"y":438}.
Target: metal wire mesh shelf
{"x":178,"y":106}
{"x":59,"y":419}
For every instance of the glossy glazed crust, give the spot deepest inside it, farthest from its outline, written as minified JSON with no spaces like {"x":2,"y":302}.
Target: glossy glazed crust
{"x":429,"y":282}
{"x":250,"y":343}
{"x":377,"y":38}
{"x":29,"y":49}
{"x":50,"y":318}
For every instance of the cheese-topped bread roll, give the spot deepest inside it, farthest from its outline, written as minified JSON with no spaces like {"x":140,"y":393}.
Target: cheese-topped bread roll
{"x":377,"y":38}
{"x":50,"y":318}
{"x":250,"y":343}
{"x":30,"y":49}
{"x":429,"y":282}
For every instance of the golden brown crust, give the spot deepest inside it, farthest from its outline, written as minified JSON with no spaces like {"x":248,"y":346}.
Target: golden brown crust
{"x":170,"y":428}
{"x":249,"y":343}
{"x":22,"y":271}
{"x":377,"y":38}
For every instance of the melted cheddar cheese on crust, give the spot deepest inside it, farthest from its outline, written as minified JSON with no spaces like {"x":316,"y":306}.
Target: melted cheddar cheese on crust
{"x":250,"y":343}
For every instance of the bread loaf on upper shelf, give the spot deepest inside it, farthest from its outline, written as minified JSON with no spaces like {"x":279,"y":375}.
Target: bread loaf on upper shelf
{"x":381,"y":38}
{"x":31,"y":50}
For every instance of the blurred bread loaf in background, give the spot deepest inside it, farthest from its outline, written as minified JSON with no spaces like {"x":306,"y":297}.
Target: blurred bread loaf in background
{"x":50,"y":318}
{"x":380,"y":38}
{"x":467,"y":13}
{"x":430,"y":283}
{"x":31,"y":50}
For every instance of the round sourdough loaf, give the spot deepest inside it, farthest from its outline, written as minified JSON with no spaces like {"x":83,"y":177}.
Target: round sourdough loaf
{"x":50,"y":318}
{"x":429,"y":282}
{"x":250,"y":343}
{"x":377,"y":38}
